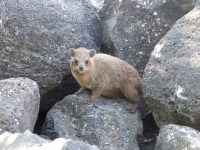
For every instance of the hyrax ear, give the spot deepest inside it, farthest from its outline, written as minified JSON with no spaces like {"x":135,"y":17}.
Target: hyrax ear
{"x":92,"y":52}
{"x":72,"y":52}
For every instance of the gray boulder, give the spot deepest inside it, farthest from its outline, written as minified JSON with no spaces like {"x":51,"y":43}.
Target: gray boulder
{"x":172,"y":76}
{"x":35,"y":36}
{"x":109,"y":124}
{"x":175,"y":137}
{"x":27,"y":140}
{"x":19,"y":104}
{"x":131,"y":29}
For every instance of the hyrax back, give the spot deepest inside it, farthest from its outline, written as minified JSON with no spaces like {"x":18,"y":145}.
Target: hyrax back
{"x":104,"y":75}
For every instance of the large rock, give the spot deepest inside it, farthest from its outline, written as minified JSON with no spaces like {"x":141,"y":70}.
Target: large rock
{"x":172,"y":75}
{"x":35,"y":36}
{"x":131,"y":28}
{"x":30,"y":141}
{"x":19,"y":104}
{"x":109,"y":124}
{"x":175,"y":137}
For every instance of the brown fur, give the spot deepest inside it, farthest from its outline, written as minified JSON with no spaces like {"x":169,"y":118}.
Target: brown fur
{"x":105,"y":75}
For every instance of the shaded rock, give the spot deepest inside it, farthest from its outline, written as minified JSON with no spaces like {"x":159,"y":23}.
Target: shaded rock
{"x":178,"y":138}
{"x":35,"y":36}
{"x":109,"y":124}
{"x":19,"y":104}
{"x":147,"y":141}
{"x":172,"y":76}
{"x":30,"y":141}
{"x":131,"y":29}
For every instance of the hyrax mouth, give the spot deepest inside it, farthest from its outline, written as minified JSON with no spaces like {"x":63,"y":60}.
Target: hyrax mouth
{"x":81,"y":71}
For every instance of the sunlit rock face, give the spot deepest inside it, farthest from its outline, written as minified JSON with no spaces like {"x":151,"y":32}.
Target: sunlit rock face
{"x":178,"y":137}
{"x":30,"y":141}
{"x":131,"y":28}
{"x":19,"y":104}
{"x":172,"y":75}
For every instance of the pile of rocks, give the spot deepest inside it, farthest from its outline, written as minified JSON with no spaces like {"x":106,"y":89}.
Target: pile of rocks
{"x":35,"y":36}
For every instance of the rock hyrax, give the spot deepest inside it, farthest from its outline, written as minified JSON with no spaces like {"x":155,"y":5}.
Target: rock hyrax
{"x":104,"y":75}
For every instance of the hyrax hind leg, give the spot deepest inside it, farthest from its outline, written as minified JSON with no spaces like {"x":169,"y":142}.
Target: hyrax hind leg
{"x":131,"y":92}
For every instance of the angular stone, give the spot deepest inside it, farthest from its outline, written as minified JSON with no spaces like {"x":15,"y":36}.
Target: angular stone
{"x":175,"y":137}
{"x":172,"y":76}
{"x":35,"y":36}
{"x":30,"y":141}
{"x":109,"y":124}
{"x":131,"y":29}
{"x":19,"y":104}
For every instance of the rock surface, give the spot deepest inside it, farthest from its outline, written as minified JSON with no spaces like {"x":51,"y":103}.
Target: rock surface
{"x":172,"y":76}
{"x":30,"y":141}
{"x":19,"y":104}
{"x":175,"y":137}
{"x":131,"y":29}
{"x":35,"y":36}
{"x":109,"y":124}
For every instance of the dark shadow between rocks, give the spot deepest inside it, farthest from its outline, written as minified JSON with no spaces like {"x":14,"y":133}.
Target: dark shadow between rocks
{"x":67,"y":86}
{"x":108,"y":47}
{"x":150,"y":132}
{"x":150,"y":129}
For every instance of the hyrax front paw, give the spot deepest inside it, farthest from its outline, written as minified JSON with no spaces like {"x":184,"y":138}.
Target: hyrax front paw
{"x":77,"y":93}
{"x":81,"y":90}
{"x":135,"y":108}
{"x":92,"y":103}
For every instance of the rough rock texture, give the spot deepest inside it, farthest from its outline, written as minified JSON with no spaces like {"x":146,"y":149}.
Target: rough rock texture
{"x":19,"y":104}
{"x":98,"y":4}
{"x":131,"y":29}
{"x":30,"y":141}
{"x":175,"y":137}
{"x":35,"y":36}
{"x":172,"y":76}
{"x":109,"y":124}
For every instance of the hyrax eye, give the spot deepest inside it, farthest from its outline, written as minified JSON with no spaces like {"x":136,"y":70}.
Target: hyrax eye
{"x":87,"y":62}
{"x":76,"y":61}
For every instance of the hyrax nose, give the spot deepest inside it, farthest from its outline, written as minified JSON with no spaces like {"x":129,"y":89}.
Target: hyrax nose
{"x":81,"y":68}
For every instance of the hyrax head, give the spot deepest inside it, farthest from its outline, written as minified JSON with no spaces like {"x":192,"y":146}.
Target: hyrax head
{"x":81,"y":59}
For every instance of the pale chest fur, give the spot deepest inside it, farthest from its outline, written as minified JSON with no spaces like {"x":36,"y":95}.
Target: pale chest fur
{"x":84,"y":80}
